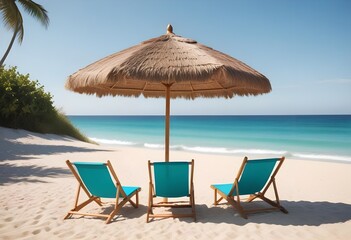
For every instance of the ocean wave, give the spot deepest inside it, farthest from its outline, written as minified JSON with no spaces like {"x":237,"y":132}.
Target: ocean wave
{"x":322,"y":157}
{"x":219,"y":150}
{"x":223,"y":150}
{"x":114,"y":142}
{"x":228,"y":151}
{"x":152,"y":145}
{"x":162,"y":146}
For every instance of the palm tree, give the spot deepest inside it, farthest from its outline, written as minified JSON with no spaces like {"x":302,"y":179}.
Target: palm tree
{"x":13,"y":20}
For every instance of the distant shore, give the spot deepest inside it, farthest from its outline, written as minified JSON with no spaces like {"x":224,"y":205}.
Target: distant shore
{"x":38,"y":190}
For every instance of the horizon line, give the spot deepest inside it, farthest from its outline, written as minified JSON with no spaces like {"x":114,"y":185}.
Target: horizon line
{"x":181,"y":115}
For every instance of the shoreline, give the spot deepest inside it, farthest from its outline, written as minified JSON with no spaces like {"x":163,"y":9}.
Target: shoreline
{"x":39,"y":190}
{"x":255,"y":153}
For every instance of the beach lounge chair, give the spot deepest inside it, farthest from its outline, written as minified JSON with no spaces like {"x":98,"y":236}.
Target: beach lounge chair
{"x":254,"y":179}
{"x":172,"y":180}
{"x":96,"y":181}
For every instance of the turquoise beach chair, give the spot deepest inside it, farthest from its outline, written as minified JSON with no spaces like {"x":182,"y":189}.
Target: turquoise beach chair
{"x":254,"y":178}
{"x":95,"y":180}
{"x":172,"y":180}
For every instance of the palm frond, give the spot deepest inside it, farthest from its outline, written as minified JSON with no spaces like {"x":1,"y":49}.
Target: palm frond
{"x":20,"y":33}
{"x":36,"y":10}
{"x":12,"y":18}
{"x":9,"y":13}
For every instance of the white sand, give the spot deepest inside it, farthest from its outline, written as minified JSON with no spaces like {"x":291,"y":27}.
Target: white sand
{"x":37,"y":190}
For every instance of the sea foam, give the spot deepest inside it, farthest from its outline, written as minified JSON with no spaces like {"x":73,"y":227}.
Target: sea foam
{"x":152,"y":145}
{"x":114,"y":142}
{"x":222,"y":150}
{"x":228,"y":151}
{"x":322,"y":157}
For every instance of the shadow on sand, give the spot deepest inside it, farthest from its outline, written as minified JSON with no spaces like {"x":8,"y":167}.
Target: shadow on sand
{"x":12,"y":173}
{"x":126,"y":212}
{"x":300,"y":213}
{"x":12,"y":150}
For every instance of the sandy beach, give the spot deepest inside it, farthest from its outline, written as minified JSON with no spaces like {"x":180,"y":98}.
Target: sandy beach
{"x":38,"y":189}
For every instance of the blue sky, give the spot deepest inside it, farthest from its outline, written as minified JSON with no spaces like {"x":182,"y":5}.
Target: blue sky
{"x":303,"y":47}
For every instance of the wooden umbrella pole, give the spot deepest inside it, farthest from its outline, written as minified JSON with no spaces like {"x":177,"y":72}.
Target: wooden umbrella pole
{"x":167,"y":120}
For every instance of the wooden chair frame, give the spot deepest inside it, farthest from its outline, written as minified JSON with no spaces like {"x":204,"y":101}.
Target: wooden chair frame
{"x":118,"y":204}
{"x":261,"y":195}
{"x":174,"y":204}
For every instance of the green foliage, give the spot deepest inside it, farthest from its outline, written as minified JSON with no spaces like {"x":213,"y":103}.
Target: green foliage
{"x":24,"y":104}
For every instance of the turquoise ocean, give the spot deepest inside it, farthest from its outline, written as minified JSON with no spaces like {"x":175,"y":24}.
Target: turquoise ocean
{"x":317,"y":137}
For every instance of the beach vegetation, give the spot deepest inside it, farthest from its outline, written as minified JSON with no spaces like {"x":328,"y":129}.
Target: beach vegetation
{"x":13,"y":20}
{"x":24,"y":104}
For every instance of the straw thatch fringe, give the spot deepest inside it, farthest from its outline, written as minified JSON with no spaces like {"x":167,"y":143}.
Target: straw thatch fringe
{"x":230,"y":93}
{"x":194,"y":70}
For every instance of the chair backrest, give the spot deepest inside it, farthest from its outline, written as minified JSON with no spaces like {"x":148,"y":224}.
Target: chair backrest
{"x":96,"y":178}
{"x":171,"y":179}
{"x":255,"y":175}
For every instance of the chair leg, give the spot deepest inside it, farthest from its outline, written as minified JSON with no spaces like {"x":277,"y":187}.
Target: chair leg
{"x":192,"y":202}
{"x":133,"y":203}
{"x":112,"y":214}
{"x":77,"y":207}
{"x":150,"y":203}
{"x":150,"y":213}
{"x":68,"y":216}
{"x":136,"y":203}
{"x":251,"y":198}
{"x":83,"y":204}
{"x":237,"y":206}
{"x":281,"y":208}
{"x":116,"y":210}
{"x":217,"y":201}
{"x":137,"y":199}
{"x":274,"y":204}
{"x":215,"y":197}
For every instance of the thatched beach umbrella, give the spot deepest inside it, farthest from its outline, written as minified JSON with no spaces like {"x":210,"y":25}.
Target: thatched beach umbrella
{"x":169,"y":66}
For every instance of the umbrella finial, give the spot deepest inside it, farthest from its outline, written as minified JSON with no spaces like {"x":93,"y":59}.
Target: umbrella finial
{"x":169,"y":29}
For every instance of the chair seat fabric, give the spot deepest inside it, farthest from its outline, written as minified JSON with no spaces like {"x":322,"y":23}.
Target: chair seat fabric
{"x":129,"y":190}
{"x":171,"y":179}
{"x":224,"y":188}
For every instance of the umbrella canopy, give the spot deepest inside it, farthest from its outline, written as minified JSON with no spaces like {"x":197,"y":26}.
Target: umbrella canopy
{"x":169,"y":66}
